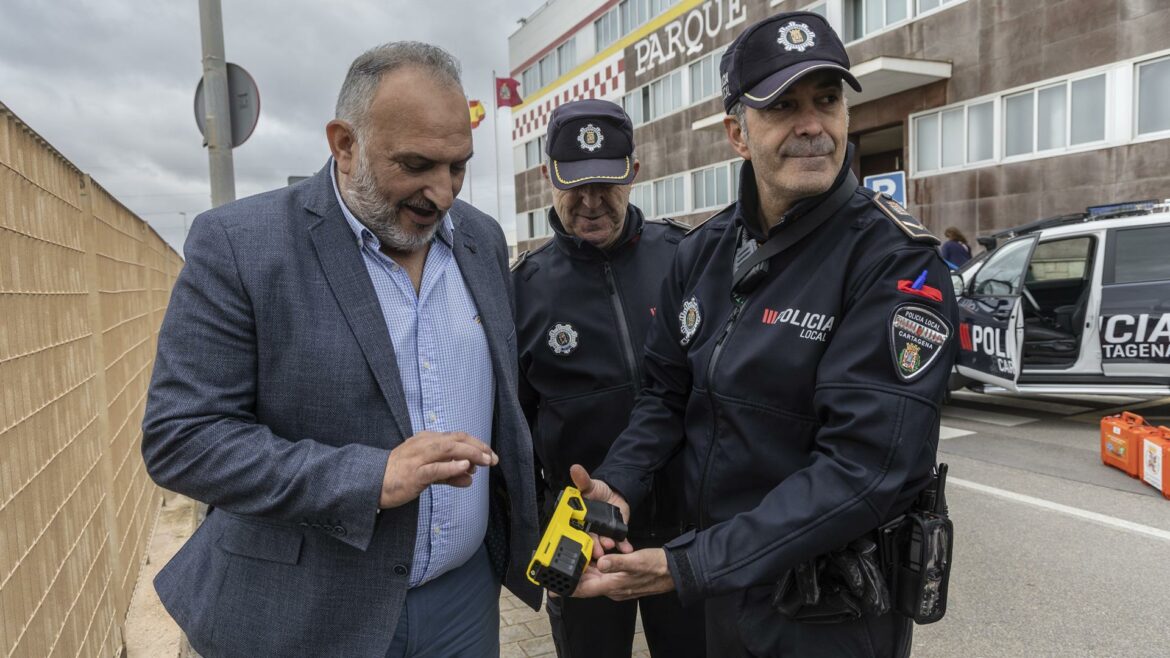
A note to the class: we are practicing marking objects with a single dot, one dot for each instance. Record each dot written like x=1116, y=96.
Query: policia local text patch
x=917, y=336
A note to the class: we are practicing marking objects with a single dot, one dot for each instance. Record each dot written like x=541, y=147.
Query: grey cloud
x=110, y=84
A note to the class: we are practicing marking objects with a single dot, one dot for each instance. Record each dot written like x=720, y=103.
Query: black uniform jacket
x=581, y=321
x=808, y=414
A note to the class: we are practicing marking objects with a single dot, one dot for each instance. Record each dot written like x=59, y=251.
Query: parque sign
x=686, y=34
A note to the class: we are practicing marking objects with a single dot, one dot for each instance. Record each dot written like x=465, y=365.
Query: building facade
x=995, y=112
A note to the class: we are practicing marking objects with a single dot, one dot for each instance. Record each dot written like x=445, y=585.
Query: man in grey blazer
x=336, y=380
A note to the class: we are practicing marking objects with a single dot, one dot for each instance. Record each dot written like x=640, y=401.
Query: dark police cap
x=768, y=57
x=590, y=141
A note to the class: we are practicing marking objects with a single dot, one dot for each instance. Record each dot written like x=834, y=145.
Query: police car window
x=1140, y=255
x=1004, y=272
x=1059, y=260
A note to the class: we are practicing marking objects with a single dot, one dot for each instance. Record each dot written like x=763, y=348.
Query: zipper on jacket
x=727, y=328
x=615, y=297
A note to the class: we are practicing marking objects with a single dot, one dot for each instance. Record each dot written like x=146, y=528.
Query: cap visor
x=769, y=89
x=567, y=175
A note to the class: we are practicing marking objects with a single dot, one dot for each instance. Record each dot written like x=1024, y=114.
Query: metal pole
x=496, y=145
x=218, y=122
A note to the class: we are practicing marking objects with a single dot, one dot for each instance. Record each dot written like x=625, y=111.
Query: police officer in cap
x=584, y=301
x=798, y=359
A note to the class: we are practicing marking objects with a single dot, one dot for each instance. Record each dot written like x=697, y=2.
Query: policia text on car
x=796, y=446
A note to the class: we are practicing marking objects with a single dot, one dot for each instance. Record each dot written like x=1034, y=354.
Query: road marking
x=1022, y=403
x=945, y=432
x=989, y=417
x=1122, y=524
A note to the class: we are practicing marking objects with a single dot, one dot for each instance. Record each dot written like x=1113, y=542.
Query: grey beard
x=380, y=217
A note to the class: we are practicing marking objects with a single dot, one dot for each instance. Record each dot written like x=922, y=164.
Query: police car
x=1077, y=304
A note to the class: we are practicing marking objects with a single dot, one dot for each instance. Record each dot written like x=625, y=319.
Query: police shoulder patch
x=917, y=337
x=902, y=219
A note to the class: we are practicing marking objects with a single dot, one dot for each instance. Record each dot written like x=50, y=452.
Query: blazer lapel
x=341, y=260
x=483, y=279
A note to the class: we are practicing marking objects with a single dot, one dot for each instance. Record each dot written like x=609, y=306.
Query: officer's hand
x=598, y=490
x=432, y=458
x=622, y=577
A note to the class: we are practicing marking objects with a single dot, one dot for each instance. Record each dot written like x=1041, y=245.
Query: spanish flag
x=477, y=112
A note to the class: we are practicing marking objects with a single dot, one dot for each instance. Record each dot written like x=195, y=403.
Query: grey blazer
x=276, y=399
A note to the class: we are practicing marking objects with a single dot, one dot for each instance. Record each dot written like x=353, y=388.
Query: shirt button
x=426, y=364
x=401, y=569
x=431, y=416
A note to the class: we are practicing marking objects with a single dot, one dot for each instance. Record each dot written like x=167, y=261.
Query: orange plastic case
x=1121, y=441
x=1155, y=461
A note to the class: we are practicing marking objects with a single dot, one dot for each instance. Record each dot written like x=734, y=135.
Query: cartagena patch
x=917, y=337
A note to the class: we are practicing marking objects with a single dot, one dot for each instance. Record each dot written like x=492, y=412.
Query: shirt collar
x=366, y=236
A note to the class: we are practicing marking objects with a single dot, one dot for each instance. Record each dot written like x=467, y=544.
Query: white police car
x=1073, y=304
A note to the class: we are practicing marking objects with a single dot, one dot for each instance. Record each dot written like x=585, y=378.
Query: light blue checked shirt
x=446, y=371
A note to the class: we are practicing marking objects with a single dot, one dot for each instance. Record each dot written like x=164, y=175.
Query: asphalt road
x=1055, y=554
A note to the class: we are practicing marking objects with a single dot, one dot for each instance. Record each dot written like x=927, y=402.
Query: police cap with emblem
x=590, y=141
x=768, y=57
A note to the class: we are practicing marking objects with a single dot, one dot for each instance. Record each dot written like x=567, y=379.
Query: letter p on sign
x=892, y=184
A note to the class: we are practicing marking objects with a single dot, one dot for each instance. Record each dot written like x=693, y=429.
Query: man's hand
x=432, y=458
x=598, y=490
x=632, y=576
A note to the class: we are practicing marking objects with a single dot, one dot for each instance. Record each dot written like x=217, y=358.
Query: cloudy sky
x=110, y=83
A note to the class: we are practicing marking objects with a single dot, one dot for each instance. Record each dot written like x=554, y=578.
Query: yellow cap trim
x=557, y=173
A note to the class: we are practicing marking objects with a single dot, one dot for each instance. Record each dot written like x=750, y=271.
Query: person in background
x=955, y=251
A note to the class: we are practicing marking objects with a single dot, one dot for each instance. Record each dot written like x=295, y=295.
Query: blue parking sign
x=892, y=184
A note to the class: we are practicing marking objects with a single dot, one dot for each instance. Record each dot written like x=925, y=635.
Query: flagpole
x=496, y=146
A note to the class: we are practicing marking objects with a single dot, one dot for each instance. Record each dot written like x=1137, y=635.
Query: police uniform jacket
x=581, y=320
x=808, y=412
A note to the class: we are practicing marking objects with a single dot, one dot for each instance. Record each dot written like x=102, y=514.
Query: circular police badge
x=689, y=319
x=562, y=338
x=590, y=138
x=796, y=36
x=917, y=336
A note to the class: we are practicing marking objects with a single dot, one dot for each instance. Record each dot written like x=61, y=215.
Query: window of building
x=534, y=152
x=669, y=196
x=548, y=68
x=530, y=80
x=659, y=98
x=1088, y=110
x=628, y=16
x=866, y=17
x=632, y=104
x=607, y=28
x=642, y=196
x=1153, y=96
x=952, y=137
x=709, y=187
x=981, y=132
x=705, y=77
x=1018, y=123
x=736, y=168
x=1049, y=117
x=566, y=56
x=926, y=156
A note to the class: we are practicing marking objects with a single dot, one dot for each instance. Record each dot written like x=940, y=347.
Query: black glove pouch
x=840, y=586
